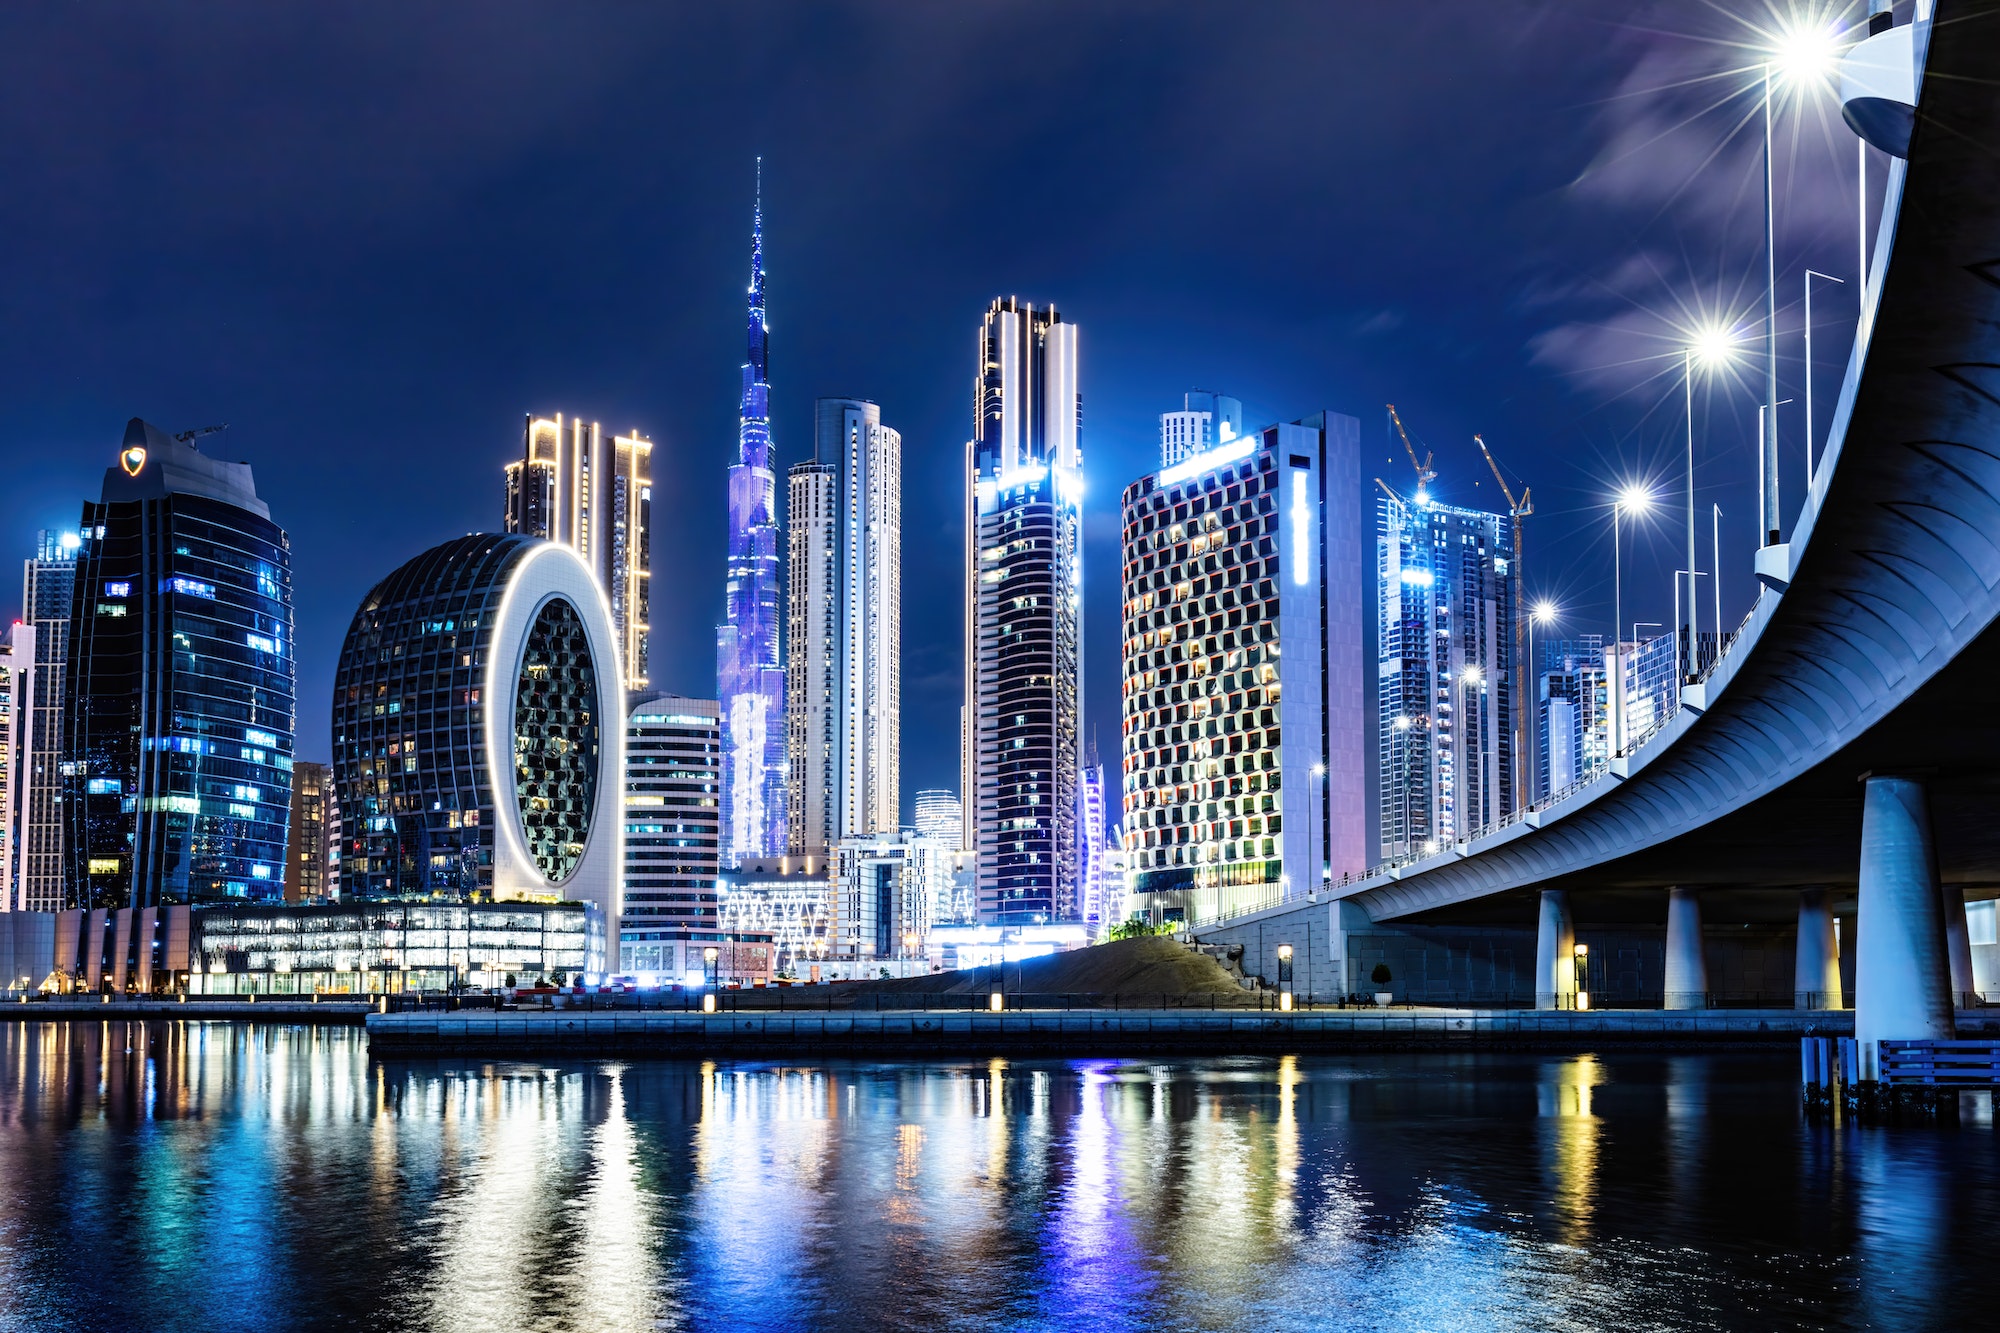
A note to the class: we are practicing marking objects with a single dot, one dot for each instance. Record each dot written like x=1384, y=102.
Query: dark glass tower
x=179, y=700
x=476, y=730
x=1024, y=616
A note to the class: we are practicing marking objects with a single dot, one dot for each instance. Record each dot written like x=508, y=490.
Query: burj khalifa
x=749, y=676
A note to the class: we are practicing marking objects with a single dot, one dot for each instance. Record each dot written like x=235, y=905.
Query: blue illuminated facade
x=179, y=700
x=749, y=677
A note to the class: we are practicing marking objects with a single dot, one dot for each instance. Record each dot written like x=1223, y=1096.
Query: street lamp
x=1543, y=612
x=1285, y=977
x=1713, y=345
x=1810, y=437
x=1580, y=963
x=1472, y=736
x=1801, y=53
x=1638, y=501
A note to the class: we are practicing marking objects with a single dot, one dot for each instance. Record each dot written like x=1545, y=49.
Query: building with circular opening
x=478, y=726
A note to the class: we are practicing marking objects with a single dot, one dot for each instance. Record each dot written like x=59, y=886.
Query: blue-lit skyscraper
x=178, y=702
x=749, y=678
x=1444, y=672
x=1024, y=616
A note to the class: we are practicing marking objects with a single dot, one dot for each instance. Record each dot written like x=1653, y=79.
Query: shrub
x=1380, y=976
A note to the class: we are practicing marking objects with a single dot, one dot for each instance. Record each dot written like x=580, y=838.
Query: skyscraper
x=305, y=845
x=673, y=780
x=1444, y=674
x=570, y=486
x=19, y=645
x=939, y=816
x=843, y=671
x=749, y=681
x=478, y=730
x=47, y=585
x=178, y=702
x=1573, y=731
x=1244, y=757
x=1205, y=419
x=1024, y=614
x=1090, y=841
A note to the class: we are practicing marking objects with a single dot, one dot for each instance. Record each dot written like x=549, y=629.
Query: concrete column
x=1902, y=973
x=1687, y=967
x=1958, y=942
x=1555, y=953
x=1816, y=974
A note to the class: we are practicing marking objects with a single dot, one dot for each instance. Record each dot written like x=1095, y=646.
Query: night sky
x=371, y=237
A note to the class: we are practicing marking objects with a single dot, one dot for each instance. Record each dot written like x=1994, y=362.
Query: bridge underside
x=1809, y=832
x=1881, y=654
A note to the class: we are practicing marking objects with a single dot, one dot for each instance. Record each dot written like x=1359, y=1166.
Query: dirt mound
x=1152, y=965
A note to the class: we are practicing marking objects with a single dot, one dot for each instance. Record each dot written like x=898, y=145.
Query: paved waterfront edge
x=1087, y=1032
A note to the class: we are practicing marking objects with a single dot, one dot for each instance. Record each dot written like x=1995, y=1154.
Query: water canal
x=229, y=1176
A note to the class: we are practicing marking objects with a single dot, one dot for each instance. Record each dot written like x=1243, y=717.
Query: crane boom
x=1424, y=469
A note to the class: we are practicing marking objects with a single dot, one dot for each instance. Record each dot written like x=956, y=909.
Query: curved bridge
x=1874, y=645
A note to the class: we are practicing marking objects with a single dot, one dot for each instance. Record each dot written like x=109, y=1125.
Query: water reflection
x=217, y=1176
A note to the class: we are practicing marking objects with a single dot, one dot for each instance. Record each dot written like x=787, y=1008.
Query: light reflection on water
x=215, y=1176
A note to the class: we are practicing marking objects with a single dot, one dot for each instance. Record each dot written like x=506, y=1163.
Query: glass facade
x=179, y=700
x=555, y=740
x=409, y=770
x=673, y=791
x=388, y=947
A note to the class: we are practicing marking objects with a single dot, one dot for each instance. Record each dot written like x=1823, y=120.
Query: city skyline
x=1460, y=357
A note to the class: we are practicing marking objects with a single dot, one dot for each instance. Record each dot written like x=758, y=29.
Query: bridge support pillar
x=1902, y=971
x=1816, y=975
x=1958, y=943
x=1687, y=967
x=1555, y=953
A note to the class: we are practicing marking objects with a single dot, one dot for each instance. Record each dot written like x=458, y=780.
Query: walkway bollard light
x=708, y=1002
x=996, y=1002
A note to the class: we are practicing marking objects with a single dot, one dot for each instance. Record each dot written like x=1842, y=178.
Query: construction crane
x=1424, y=469
x=1517, y=510
x=190, y=436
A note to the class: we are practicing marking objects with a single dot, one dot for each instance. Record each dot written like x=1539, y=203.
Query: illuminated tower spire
x=749, y=677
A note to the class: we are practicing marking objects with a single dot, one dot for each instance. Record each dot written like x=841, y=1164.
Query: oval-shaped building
x=478, y=730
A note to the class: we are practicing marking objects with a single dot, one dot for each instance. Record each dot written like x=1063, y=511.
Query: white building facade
x=843, y=686
x=1243, y=730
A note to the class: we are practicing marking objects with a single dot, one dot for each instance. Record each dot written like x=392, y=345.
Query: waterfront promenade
x=1095, y=1032
x=348, y=1012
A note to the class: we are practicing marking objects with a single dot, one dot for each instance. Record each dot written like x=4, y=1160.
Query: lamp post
x=1285, y=977
x=1810, y=436
x=1712, y=346
x=1580, y=965
x=1801, y=54
x=1638, y=501
x=1471, y=740
x=1715, y=536
x=1544, y=613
